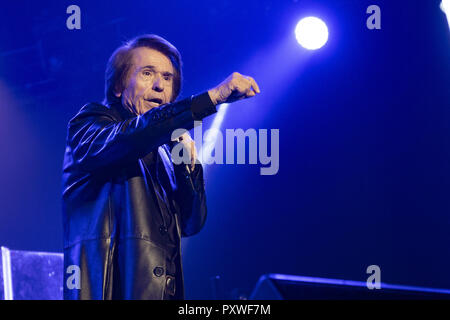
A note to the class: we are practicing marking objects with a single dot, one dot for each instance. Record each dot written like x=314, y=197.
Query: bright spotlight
x=311, y=33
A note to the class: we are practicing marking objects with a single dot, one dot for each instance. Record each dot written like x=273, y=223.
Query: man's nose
x=157, y=84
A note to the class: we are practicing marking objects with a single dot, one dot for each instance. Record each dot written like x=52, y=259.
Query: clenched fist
x=233, y=88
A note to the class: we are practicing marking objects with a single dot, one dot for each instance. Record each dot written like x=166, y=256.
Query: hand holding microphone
x=189, y=146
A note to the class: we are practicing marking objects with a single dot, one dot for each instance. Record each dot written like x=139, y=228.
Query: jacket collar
x=119, y=109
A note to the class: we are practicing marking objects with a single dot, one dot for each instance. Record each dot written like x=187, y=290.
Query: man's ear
x=117, y=91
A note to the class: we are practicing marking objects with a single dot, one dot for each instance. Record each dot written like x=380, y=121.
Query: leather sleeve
x=97, y=140
x=190, y=198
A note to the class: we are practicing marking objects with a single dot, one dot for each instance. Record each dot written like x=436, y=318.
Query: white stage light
x=311, y=33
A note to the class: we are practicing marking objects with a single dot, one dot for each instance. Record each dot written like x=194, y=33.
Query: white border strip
x=7, y=280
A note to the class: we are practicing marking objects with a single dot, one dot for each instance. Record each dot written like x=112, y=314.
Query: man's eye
x=167, y=78
x=147, y=73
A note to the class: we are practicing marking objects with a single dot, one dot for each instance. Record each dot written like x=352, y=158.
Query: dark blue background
x=364, y=172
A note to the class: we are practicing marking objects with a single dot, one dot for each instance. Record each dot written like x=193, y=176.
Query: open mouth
x=155, y=100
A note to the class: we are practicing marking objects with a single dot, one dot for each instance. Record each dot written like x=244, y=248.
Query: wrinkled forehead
x=143, y=57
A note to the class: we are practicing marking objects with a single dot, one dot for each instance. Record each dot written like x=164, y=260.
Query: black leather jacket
x=111, y=229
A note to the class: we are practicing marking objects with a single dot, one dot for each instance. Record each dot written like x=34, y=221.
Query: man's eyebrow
x=166, y=73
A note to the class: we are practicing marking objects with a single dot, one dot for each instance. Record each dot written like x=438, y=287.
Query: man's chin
x=152, y=104
x=147, y=106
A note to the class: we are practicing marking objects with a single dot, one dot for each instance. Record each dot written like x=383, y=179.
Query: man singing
x=126, y=205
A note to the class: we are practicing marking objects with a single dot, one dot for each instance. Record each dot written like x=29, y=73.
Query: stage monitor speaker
x=28, y=275
x=290, y=287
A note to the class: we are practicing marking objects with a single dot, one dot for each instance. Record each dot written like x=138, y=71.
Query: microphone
x=172, y=144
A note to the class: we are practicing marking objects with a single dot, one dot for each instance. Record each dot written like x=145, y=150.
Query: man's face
x=150, y=81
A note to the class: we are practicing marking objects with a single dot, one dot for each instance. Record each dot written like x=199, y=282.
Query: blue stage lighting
x=311, y=33
x=445, y=7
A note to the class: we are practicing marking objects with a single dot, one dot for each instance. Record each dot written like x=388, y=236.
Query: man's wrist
x=212, y=96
